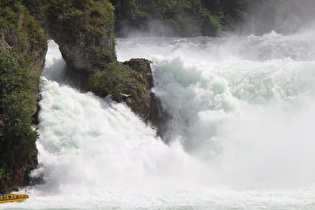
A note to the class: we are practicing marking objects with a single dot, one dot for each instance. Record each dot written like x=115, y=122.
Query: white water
x=241, y=133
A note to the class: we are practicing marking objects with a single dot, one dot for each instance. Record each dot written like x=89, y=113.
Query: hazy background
x=191, y=18
x=282, y=16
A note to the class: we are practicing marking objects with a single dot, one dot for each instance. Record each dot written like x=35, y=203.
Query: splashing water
x=244, y=105
x=240, y=134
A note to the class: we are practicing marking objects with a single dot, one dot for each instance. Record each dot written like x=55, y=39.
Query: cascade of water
x=238, y=103
x=240, y=129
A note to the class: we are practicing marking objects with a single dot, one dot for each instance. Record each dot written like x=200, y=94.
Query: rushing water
x=241, y=131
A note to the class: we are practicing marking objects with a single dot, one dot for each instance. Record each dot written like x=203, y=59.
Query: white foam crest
x=86, y=142
x=270, y=46
x=234, y=102
x=241, y=115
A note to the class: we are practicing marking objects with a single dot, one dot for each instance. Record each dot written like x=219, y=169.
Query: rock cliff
x=22, y=56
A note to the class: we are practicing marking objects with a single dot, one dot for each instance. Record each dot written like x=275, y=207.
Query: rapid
x=240, y=132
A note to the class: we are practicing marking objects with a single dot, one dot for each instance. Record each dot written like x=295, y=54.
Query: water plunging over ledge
x=240, y=134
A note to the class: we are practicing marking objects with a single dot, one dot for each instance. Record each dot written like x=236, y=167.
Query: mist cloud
x=282, y=16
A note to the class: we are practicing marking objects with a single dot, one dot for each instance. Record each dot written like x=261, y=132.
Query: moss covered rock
x=142, y=101
x=128, y=82
x=83, y=29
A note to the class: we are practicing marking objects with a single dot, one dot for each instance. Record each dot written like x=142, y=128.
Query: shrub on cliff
x=115, y=80
x=22, y=53
x=17, y=145
x=131, y=82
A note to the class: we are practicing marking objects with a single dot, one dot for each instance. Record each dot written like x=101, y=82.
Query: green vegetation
x=120, y=80
x=79, y=17
x=22, y=51
x=184, y=17
x=210, y=17
x=131, y=82
x=36, y=8
x=116, y=80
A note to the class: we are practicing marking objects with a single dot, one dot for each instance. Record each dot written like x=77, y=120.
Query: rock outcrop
x=84, y=32
x=128, y=82
x=142, y=101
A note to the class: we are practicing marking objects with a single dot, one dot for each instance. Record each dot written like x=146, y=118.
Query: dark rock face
x=141, y=101
x=81, y=55
x=76, y=55
x=141, y=66
x=144, y=102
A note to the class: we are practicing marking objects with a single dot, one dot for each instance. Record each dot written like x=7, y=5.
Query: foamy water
x=240, y=135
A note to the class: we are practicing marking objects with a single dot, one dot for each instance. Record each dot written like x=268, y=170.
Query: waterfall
x=240, y=131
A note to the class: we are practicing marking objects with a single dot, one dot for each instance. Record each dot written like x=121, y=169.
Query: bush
x=22, y=53
x=115, y=80
x=17, y=145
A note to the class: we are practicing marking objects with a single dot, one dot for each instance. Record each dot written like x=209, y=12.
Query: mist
x=281, y=16
x=154, y=28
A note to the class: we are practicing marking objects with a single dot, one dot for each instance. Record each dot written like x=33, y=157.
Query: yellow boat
x=5, y=198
